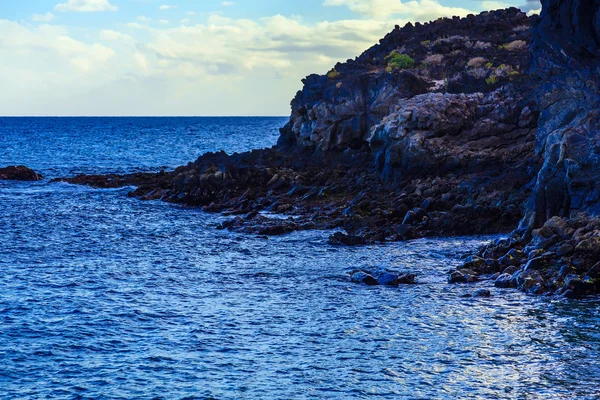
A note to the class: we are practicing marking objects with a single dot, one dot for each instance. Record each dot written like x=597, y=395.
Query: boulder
x=19, y=173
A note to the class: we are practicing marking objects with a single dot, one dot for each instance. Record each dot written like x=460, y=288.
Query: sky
x=188, y=57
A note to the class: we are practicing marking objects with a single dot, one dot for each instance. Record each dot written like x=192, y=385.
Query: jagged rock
x=504, y=281
x=438, y=133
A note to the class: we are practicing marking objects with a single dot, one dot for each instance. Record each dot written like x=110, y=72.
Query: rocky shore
x=556, y=249
x=458, y=126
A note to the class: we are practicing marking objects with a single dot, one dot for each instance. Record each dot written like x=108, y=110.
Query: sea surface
x=106, y=297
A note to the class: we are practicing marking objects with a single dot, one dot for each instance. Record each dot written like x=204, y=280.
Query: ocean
x=103, y=296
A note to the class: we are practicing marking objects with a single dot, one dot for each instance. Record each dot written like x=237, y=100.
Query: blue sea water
x=106, y=297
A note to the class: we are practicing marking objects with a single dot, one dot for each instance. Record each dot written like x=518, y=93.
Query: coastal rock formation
x=458, y=55
x=458, y=126
x=557, y=248
x=428, y=129
x=19, y=173
x=435, y=133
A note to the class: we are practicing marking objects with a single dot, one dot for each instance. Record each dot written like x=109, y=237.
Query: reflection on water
x=103, y=295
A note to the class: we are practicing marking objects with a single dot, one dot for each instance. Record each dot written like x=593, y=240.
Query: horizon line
x=144, y=116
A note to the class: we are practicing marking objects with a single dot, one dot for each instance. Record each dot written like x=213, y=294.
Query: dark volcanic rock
x=559, y=238
x=19, y=173
x=338, y=110
x=382, y=277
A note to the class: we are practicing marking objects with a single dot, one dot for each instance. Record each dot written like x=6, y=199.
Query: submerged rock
x=365, y=278
x=340, y=238
x=383, y=278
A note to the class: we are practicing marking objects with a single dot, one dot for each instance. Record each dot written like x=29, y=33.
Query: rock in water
x=363, y=277
x=19, y=173
x=340, y=238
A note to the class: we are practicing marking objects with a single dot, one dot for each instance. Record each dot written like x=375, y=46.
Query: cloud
x=136, y=25
x=415, y=10
x=167, y=7
x=48, y=53
x=215, y=67
x=494, y=5
x=85, y=6
x=531, y=5
x=228, y=3
x=225, y=46
x=114, y=36
x=43, y=17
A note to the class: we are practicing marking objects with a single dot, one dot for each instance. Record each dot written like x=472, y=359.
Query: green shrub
x=489, y=65
x=516, y=45
x=399, y=61
x=333, y=74
x=492, y=80
x=426, y=42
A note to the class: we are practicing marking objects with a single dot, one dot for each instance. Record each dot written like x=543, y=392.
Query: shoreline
x=424, y=134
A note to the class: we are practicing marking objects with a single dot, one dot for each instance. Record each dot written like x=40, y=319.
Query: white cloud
x=415, y=10
x=167, y=7
x=86, y=6
x=228, y=3
x=43, y=17
x=54, y=40
x=494, y=5
x=113, y=36
x=136, y=25
x=215, y=67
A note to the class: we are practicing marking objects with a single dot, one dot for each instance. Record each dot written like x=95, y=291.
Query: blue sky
x=184, y=57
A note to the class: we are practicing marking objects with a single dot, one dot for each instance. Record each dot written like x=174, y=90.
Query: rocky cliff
x=557, y=248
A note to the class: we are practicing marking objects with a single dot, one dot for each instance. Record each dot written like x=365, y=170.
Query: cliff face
x=557, y=249
x=567, y=58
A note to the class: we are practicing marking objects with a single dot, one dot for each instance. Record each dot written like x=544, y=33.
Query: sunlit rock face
x=567, y=58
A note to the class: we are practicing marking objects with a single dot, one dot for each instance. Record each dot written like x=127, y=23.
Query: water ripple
x=102, y=296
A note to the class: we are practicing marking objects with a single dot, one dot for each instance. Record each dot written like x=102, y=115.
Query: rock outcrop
x=19, y=173
x=458, y=55
x=557, y=248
